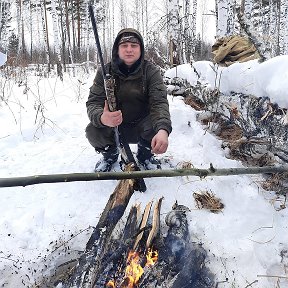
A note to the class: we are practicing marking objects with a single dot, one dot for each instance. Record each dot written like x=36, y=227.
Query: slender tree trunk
x=283, y=37
x=46, y=35
x=122, y=15
x=56, y=40
x=5, y=19
x=272, y=25
x=186, y=53
x=174, y=32
x=88, y=38
x=73, y=35
x=225, y=18
x=230, y=18
x=278, y=13
x=146, y=17
x=63, y=37
x=21, y=35
x=78, y=28
x=31, y=31
x=221, y=18
x=193, y=28
x=68, y=30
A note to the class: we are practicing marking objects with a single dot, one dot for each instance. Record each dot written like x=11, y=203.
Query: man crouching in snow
x=143, y=109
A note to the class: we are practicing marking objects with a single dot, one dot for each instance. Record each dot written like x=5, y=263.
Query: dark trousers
x=132, y=133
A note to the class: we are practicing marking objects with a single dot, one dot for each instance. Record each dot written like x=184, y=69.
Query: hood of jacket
x=115, y=57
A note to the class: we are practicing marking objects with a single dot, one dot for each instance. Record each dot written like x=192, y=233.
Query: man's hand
x=111, y=119
x=159, y=143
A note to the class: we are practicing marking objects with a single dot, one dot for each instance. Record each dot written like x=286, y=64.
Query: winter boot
x=146, y=157
x=110, y=156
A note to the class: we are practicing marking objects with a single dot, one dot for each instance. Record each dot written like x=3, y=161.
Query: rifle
x=109, y=84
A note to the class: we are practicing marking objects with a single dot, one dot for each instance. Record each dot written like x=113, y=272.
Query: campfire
x=146, y=252
x=134, y=270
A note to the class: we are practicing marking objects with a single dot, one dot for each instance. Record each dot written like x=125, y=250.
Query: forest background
x=47, y=39
x=58, y=33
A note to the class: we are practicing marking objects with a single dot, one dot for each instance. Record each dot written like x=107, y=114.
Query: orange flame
x=110, y=284
x=151, y=257
x=134, y=270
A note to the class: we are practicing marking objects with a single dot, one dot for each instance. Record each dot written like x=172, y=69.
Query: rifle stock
x=109, y=84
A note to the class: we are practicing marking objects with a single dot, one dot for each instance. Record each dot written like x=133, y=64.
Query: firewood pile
x=147, y=251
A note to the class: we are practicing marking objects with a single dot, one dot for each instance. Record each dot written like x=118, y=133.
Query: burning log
x=180, y=263
x=155, y=230
x=176, y=262
x=89, y=264
x=143, y=224
x=140, y=256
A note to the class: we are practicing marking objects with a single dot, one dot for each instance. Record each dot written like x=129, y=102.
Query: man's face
x=129, y=52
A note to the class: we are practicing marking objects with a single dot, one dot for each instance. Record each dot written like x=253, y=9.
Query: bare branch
x=55, y=178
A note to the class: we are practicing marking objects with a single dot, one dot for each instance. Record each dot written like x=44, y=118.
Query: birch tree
x=173, y=31
x=230, y=29
x=20, y=26
x=66, y=30
x=123, y=18
x=88, y=31
x=5, y=20
x=222, y=18
x=225, y=18
x=136, y=14
x=187, y=39
x=45, y=31
x=144, y=18
x=193, y=28
x=283, y=28
x=248, y=8
x=273, y=28
x=56, y=40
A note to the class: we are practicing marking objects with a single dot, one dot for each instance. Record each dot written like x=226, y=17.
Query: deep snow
x=42, y=132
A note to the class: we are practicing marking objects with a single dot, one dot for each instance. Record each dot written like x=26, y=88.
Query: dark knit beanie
x=128, y=37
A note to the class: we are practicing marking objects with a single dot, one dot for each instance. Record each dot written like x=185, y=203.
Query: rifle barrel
x=96, y=36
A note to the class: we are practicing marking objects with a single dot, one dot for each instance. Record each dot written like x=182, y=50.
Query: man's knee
x=99, y=138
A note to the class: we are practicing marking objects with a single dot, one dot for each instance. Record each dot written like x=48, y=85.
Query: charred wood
x=87, y=269
x=155, y=229
x=143, y=224
x=118, y=251
x=180, y=263
x=194, y=274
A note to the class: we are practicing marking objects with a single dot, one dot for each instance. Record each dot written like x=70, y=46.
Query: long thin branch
x=54, y=178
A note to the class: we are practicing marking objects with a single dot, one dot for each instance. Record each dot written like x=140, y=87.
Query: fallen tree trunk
x=56, y=178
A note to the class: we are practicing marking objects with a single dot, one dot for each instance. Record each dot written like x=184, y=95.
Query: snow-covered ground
x=42, y=132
